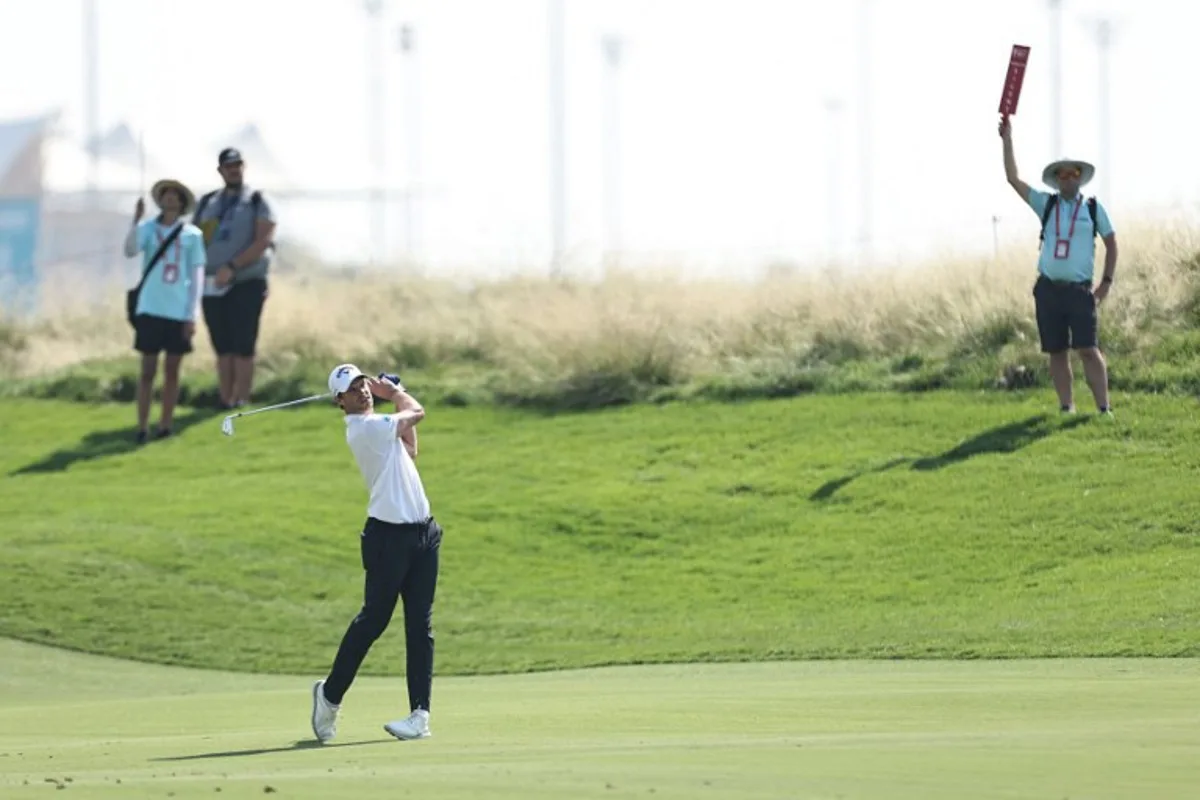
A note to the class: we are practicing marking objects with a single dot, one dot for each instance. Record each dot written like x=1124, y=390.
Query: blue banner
x=20, y=221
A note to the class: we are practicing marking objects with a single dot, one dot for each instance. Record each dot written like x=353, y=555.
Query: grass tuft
x=565, y=345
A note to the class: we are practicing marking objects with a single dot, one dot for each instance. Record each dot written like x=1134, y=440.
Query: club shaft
x=281, y=405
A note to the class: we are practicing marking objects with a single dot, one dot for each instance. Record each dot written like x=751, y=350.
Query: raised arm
x=132, y=240
x=408, y=436
x=1010, y=161
x=408, y=411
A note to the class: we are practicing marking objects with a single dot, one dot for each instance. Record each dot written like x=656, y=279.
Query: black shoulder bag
x=131, y=297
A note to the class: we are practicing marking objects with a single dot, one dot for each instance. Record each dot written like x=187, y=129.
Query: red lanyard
x=1075, y=216
x=158, y=233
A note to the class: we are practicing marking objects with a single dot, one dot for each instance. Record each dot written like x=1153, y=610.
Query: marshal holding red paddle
x=1066, y=294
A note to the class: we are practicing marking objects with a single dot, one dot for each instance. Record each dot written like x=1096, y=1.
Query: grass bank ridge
x=573, y=345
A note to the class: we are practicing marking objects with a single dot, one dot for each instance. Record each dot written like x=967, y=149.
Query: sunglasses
x=1069, y=173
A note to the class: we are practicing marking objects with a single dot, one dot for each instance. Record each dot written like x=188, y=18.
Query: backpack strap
x=256, y=204
x=1091, y=206
x=162, y=248
x=255, y=201
x=200, y=206
x=1046, y=216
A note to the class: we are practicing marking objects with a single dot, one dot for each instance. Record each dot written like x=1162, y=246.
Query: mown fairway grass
x=938, y=525
x=1103, y=730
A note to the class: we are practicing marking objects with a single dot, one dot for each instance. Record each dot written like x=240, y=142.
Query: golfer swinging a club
x=400, y=543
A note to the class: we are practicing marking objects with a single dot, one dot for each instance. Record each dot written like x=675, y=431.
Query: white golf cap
x=342, y=376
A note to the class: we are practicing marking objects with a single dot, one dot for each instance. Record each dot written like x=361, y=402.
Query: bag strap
x=162, y=248
x=256, y=202
x=1046, y=216
x=1091, y=206
x=201, y=205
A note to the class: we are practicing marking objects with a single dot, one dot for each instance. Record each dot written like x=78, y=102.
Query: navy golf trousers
x=401, y=563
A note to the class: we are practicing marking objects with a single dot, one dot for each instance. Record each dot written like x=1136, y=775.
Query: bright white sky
x=727, y=154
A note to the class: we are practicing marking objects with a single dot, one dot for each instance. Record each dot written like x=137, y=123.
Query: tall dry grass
x=525, y=337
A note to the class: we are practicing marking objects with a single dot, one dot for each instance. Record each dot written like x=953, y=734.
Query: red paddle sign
x=1012, y=81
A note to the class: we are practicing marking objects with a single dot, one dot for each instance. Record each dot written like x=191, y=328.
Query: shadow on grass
x=303, y=744
x=831, y=488
x=105, y=444
x=1004, y=439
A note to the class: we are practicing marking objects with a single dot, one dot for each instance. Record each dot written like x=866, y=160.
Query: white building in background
x=61, y=222
x=64, y=216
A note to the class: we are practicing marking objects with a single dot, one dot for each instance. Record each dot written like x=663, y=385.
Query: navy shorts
x=1066, y=315
x=232, y=319
x=154, y=335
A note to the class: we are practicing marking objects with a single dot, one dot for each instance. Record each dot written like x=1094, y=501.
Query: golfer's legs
x=384, y=565
x=418, y=590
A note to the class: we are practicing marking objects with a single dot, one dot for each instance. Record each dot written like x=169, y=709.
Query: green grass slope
x=939, y=525
x=106, y=730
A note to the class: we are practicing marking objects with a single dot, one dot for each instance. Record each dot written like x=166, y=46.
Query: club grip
x=390, y=377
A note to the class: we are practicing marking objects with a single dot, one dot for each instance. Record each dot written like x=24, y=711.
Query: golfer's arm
x=1010, y=171
x=406, y=419
x=405, y=401
x=407, y=408
x=409, y=437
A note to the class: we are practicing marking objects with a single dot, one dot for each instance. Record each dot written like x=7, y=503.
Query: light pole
x=407, y=44
x=865, y=127
x=612, y=47
x=1102, y=30
x=558, y=185
x=833, y=111
x=91, y=96
x=376, y=133
x=1056, y=131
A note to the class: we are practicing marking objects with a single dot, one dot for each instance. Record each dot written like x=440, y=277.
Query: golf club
x=227, y=423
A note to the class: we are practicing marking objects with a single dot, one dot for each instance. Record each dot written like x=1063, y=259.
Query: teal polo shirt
x=1078, y=263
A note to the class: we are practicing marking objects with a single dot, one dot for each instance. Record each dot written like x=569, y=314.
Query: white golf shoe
x=414, y=726
x=324, y=714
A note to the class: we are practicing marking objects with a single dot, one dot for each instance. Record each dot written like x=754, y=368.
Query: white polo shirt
x=397, y=494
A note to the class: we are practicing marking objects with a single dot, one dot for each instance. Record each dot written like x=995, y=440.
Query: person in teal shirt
x=1066, y=296
x=169, y=301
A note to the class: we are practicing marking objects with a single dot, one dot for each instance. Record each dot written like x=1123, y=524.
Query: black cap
x=230, y=155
